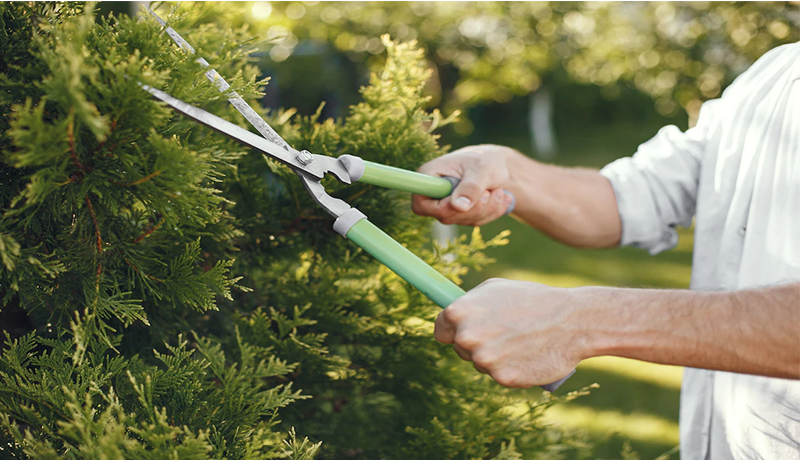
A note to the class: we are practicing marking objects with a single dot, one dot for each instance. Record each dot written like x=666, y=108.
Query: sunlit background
x=567, y=83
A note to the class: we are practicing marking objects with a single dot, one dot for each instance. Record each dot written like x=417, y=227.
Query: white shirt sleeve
x=656, y=188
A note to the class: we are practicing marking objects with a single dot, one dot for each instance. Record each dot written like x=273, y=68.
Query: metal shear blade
x=316, y=166
x=309, y=168
x=310, y=172
x=214, y=77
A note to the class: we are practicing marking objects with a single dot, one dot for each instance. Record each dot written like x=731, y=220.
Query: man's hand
x=522, y=334
x=574, y=206
x=479, y=198
x=525, y=334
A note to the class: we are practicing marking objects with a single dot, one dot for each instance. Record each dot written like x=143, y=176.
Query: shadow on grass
x=611, y=447
x=623, y=409
x=621, y=393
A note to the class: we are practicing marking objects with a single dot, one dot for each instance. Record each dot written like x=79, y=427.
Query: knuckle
x=506, y=377
x=467, y=340
x=480, y=368
x=442, y=210
x=452, y=314
x=440, y=331
x=416, y=206
x=431, y=167
x=498, y=210
x=463, y=354
x=491, y=281
x=484, y=359
x=439, y=335
x=423, y=206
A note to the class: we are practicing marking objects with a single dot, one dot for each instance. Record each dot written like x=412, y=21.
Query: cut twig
x=137, y=182
x=136, y=269
x=357, y=195
x=147, y=233
x=96, y=225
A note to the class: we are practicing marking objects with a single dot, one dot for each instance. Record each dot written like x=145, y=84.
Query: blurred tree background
x=492, y=52
x=571, y=83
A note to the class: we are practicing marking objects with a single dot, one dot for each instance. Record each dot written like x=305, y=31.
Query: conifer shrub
x=167, y=293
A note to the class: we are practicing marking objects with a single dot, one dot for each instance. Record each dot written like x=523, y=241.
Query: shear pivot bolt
x=305, y=157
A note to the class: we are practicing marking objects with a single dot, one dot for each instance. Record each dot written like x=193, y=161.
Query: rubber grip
x=411, y=268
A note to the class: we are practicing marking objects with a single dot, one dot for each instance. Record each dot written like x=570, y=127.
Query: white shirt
x=738, y=174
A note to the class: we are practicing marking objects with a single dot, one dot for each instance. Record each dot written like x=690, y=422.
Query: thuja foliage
x=168, y=294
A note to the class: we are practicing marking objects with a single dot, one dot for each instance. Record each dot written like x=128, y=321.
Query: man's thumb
x=468, y=191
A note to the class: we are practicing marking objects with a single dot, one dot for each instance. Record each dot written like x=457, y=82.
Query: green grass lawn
x=636, y=402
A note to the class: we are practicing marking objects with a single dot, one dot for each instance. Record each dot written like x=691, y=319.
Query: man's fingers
x=493, y=204
x=467, y=356
x=424, y=206
x=462, y=353
x=474, y=201
x=444, y=331
x=480, y=368
x=499, y=204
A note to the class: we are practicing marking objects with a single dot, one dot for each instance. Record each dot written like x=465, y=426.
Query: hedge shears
x=311, y=168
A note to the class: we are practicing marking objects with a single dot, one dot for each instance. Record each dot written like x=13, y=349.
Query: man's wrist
x=519, y=169
x=645, y=324
x=624, y=321
x=598, y=312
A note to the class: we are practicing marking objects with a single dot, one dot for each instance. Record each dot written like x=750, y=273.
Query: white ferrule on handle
x=345, y=222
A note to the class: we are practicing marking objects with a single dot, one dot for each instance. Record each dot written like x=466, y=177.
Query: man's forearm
x=574, y=206
x=754, y=331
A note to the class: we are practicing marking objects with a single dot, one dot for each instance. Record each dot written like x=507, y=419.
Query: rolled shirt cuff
x=641, y=226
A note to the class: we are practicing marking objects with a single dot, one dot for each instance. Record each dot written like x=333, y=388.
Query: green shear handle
x=406, y=264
